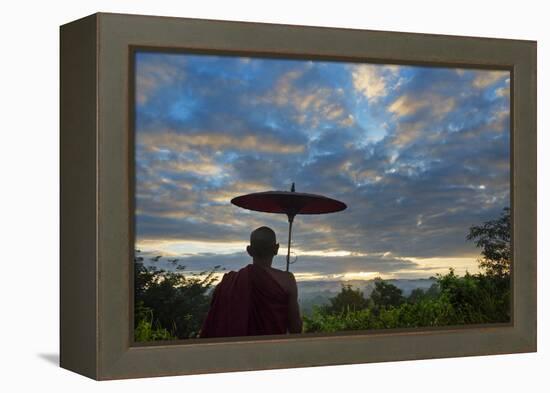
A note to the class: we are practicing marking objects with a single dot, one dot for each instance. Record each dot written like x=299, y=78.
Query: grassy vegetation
x=452, y=300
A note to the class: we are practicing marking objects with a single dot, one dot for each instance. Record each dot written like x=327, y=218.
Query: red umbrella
x=290, y=203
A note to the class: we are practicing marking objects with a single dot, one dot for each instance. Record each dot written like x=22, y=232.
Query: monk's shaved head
x=263, y=242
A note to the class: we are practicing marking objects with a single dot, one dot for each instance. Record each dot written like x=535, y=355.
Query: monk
x=256, y=300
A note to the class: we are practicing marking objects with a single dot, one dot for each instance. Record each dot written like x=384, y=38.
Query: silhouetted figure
x=256, y=300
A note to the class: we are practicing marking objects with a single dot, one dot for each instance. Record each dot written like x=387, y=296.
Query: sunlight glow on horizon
x=178, y=248
x=425, y=267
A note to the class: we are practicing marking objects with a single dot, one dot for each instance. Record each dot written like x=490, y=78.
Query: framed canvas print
x=242, y=196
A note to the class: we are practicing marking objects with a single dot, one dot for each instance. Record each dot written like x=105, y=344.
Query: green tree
x=416, y=295
x=493, y=237
x=169, y=304
x=348, y=299
x=476, y=298
x=385, y=294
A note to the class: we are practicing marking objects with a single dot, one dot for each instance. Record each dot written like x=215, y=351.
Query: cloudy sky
x=419, y=154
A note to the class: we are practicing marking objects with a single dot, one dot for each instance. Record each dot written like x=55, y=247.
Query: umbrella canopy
x=290, y=203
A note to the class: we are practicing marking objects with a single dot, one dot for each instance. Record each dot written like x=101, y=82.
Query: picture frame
x=96, y=309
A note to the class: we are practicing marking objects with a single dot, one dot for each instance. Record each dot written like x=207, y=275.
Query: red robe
x=249, y=302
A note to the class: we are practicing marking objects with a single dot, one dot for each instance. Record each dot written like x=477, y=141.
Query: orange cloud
x=484, y=78
x=216, y=140
x=408, y=105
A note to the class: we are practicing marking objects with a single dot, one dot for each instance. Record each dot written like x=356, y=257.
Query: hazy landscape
x=318, y=293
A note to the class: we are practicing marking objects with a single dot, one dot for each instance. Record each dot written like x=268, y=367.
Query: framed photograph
x=245, y=196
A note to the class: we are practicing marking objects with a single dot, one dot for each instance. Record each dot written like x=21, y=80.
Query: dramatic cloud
x=154, y=74
x=217, y=141
x=483, y=79
x=408, y=105
x=419, y=154
x=373, y=80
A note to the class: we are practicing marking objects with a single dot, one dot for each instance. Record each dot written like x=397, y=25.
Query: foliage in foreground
x=452, y=300
x=146, y=329
x=169, y=305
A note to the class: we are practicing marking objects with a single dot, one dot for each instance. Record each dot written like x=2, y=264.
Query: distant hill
x=317, y=293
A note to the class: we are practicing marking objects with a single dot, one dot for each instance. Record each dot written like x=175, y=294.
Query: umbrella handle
x=290, y=221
